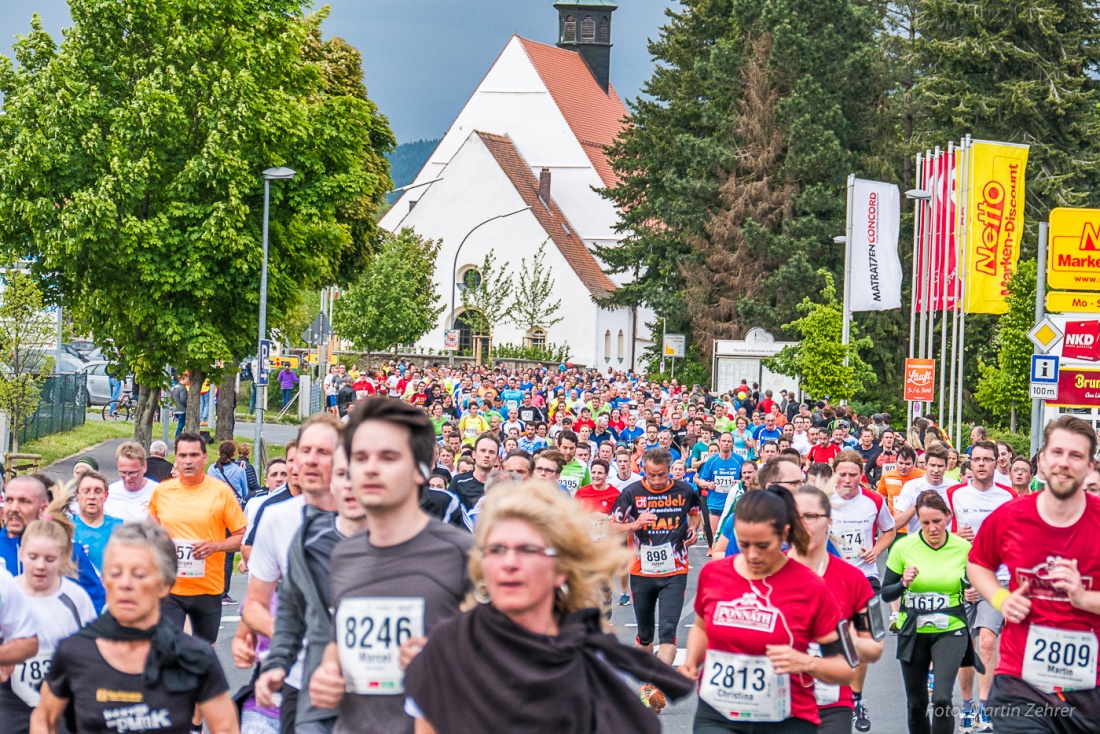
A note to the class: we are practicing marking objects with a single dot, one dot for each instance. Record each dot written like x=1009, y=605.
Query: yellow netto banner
x=995, y=223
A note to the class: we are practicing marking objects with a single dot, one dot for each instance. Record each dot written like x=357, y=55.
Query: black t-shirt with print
x=104, y=700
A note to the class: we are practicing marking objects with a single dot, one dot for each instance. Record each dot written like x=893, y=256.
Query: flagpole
x=917, y=213
x=967, y=226
x=949, y=168
x=926, y=239
x=956, y=180
x=846, y=329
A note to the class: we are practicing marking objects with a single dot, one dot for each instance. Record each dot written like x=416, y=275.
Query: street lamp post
x=454, y=267
x=271, y=174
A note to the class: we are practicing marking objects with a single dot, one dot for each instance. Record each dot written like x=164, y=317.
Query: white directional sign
x=1044, y=391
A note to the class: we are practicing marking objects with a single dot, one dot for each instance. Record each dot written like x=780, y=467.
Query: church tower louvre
x=584, y=26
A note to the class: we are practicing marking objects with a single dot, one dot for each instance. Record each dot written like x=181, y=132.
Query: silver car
x=99, y=384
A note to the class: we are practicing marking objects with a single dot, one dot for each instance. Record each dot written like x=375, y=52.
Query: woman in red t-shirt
x=616, y=423
x=756, y=614
x=849, y=588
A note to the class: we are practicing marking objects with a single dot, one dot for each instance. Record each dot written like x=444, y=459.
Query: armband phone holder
x=844, y=645
x=875, y=621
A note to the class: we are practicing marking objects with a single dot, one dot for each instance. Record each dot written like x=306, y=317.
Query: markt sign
x=1073, y=259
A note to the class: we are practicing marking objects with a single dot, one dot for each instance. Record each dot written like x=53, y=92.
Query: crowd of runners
x=442, y=550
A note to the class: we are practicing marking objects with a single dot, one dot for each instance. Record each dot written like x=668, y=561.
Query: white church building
x=518, y=168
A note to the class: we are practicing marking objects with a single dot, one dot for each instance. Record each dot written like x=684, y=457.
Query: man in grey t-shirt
x=393, y=582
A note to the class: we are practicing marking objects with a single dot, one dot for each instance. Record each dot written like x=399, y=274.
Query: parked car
x=73, y=351
x=99, y=384
x=84, y=347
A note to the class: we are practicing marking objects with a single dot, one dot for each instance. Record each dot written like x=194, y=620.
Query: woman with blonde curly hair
x=532, y=637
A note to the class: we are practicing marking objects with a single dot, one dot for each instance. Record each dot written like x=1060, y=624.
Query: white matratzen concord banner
x=876, y=268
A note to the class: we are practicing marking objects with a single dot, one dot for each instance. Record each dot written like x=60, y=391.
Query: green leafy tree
x=485, y=299
x=1022, y=71
x=1005, y=385
x=817, y=360
x=531, y=306
x=395, y=300
x=131, y=173
x=27, y=334
x=732, y=175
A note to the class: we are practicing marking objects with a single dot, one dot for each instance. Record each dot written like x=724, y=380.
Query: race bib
x=26, y=679
x=657, y=560
x=187, y=566
x=745, y=687
x=826, y=693
x=723, y=485
x=927, y=602
x=889, y=467
x=850, y=545
x=599, y=525
x=369, y=632
x=1057, y=659
x=742, y=452
x=570, y=483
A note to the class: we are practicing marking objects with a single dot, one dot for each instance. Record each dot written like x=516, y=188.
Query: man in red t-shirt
x=825, y=451
x=1046, y=680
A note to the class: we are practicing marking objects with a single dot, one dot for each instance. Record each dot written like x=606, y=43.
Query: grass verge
x=60, y=445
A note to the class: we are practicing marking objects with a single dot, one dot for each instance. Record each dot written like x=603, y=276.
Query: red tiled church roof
x=594, y=116
x=551, y=218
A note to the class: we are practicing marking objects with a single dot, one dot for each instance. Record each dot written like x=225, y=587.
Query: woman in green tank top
x=927, y=571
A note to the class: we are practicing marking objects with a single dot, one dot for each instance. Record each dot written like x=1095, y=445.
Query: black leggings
x=945, y=651
x=647, y=591
x=205, y=611
x=709, y=721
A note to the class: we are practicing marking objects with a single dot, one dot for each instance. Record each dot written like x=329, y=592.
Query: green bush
x=1020, y=442
x=556, y=353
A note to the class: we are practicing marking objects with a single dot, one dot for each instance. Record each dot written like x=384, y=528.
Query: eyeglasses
x=499, y=551
x=129, y=474
x=812, y=516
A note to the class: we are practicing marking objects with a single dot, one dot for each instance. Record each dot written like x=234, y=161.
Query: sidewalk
x=274, y=434
x=104, y=454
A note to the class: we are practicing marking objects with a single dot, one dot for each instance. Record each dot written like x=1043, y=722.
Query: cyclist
x=927, y=570
x=756, y=615
x=1047, y=677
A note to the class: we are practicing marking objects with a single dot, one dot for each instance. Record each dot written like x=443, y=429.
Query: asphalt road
x=884, y=694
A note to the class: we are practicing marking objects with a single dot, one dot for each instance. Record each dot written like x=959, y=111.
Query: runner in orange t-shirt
x=889, y=486
x=202, y=516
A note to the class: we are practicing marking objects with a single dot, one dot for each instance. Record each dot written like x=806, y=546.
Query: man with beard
x=26, y=499
x=1047, y=541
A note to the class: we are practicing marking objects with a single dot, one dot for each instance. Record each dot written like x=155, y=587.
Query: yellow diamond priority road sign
x=1045, y=335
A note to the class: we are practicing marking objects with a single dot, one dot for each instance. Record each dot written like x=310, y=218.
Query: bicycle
x=123, y=406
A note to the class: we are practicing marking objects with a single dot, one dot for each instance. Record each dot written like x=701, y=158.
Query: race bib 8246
x=369, y=632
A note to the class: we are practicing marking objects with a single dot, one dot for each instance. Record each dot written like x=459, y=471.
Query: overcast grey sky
x=423, y=58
